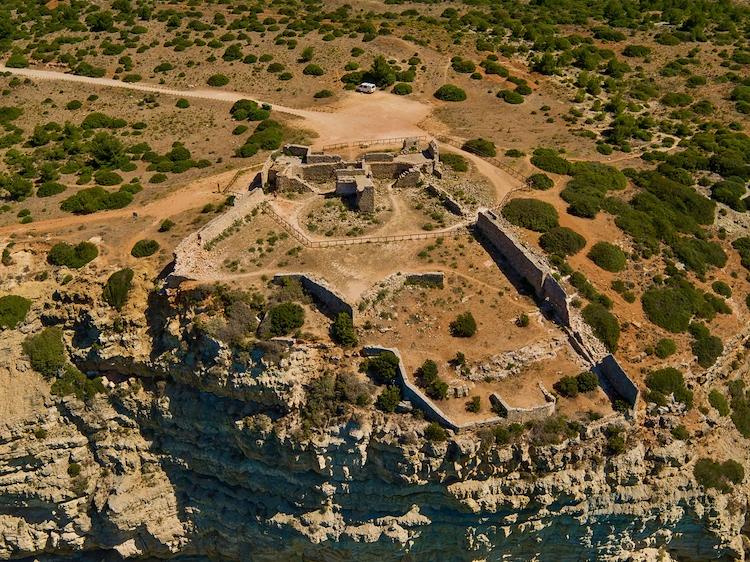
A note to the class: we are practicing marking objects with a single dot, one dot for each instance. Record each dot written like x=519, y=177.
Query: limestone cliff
x=197, y=451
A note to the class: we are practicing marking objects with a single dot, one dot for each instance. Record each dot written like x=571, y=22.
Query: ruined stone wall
x=555, y=294
x=445, y=198
x=433, y=151
x=320, y=158
x=431, y=278
x=412, y=393
x=520, y=259
x=298, y=150
x=618, y=379
x=346, y=187
x=409, y=178
x=319, y=172
x=190, y=256
x=286, y=182
x=331, y=301
x=389, y=170
x=531, y=267
x=379, y=157
x=523, y=415
x=365, y=199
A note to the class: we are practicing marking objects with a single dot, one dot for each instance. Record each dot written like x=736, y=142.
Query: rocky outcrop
x=198, y=451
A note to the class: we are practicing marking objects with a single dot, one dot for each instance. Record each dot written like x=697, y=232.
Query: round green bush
x=530, y=213
x=144, y=248
x=402, y=89
x=284, y=318
x=323, y=94
x=562, y=241
x=542, y=182
x=46, y=351
x=107, y=177
x=608, y=256
x=158, y=178
x=456, y=162
x=50, y=188
x=217, y=80
x=464, y=326
x=13, y=310
x=313, y=70
x=72, y=105
x=480, y=146
x=342, y=330
x=721, y=288
x=182, y=103
x=71, y=256
x=509, y=96
x=450, y=92
x=665, y=347
x=603, y=323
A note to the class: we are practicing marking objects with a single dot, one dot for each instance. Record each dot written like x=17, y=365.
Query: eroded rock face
x=198, y=458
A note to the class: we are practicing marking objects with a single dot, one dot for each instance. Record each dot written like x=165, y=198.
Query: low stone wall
x=447, y=201
x=431, y=279
x=331, y=301
x=523, y=415
x=320, y=172
x=320, y=158
x=286, y=182
x=389, y=170
x=379, y=157
x=413, y=394
x=190, y=255
x=609, y=369
x=298, y=150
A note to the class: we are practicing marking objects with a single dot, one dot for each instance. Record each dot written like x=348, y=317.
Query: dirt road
x=354, y=117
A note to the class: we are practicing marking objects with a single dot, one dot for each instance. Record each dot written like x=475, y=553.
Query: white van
x=367, y=88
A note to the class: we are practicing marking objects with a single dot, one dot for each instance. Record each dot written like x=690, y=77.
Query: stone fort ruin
x=300, y=169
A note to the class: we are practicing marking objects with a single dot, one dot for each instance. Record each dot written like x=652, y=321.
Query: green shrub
x=342, y=330
x=603, y=323
x=664, y=382
x=93, y=199
x=435, y=432
x=402, y=89
x=71, y=256
x=388, y=399
x=13, y=310
x=449, y=92
x=463, y=66
x=158, y=178
x=284, y=318
x=17, y=60
x=719, y=402
x=383, y=367
x=74, y=383
x=567, y=386
x=144, y=248
x=50, y=188
x=313, y=70
x=608, y=256
x=721, y=288
x=454, y=161
x=705, y=347
x=480, y=146
x=107, y=178
x=46, y=351
x=680, y=432
x=117, y=288
x=562, y=241
x=509, y=96
x=323, y=94
x=673, y=306
x=474, y=405
x=721, y=476
x=464, y=326
x=182, y=103
x=217, y=80
x=166, y=225
x=542, y=182
x=550, y=161
x=665, y=347
x=538, y=216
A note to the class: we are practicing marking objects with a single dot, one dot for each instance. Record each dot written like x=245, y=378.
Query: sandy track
x=354, y=117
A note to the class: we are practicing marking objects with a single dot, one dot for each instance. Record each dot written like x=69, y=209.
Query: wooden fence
x=364, y=143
